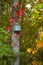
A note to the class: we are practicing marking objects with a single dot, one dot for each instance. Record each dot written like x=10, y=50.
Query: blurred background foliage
x=7, y=55
x=31, y=43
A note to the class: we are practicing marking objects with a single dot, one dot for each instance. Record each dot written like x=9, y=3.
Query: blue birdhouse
x=17, y=27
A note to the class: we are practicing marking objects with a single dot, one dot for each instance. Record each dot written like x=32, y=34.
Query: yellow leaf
x=33, y=16
x=33, y=24
x=34, y=51
x=40, y=18
x=29, y=50
x=36, y=11
x=41, y=35
x=23, y=41
x=39, y=45
x=34, y=62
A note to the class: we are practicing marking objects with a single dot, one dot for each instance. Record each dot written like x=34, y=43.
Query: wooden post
x=15, y=40
x=16, y=47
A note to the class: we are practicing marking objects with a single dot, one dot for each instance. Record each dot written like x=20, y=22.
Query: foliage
x=7, y=55
x=32, y=26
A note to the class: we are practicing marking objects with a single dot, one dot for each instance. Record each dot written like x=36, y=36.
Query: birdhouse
x=17, y=27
